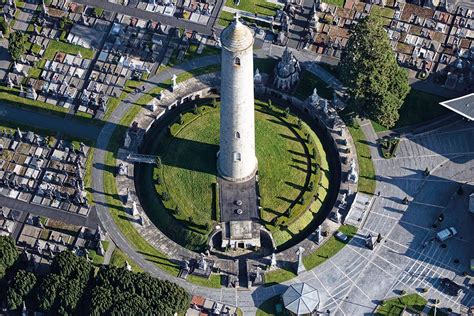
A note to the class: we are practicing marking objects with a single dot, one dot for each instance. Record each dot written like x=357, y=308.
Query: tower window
x=237, y=156
x=237, y=61
x=237, y=135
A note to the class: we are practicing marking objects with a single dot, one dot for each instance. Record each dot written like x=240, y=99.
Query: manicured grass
x=118, y=259
x=57, y=46
x=191, y=53
x=188, y=182
x=418, y=107
x=268, y=307
x=328, y=249
x=307, y=84
x=255, y=6
x=366, y=166
x=384, y=12
x=278, y=276
x=339, y=3
x=225, y=18
x=395, y=306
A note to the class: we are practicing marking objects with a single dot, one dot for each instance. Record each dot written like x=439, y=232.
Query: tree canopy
x=8, y=253
x=17, y=44
x=377, y=85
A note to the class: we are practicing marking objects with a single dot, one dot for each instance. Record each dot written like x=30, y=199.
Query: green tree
x=17, y=44
x=377, y=85
x=19, y=288
x=8, y=253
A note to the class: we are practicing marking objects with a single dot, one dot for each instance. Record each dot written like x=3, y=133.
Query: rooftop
x=463, y=105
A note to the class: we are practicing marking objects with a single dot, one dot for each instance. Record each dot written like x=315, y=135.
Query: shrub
x=195, y=110
x=287, y=112
x=158, y=180
x=300, y=124
x=165, y=196
x=98, y=12
x=311, y=186
x=181, y=119
x=158, y=162
x=214, y=103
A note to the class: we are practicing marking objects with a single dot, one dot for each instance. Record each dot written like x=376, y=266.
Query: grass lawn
x=189, y=182
x=339, y=3
x=55, y=47
x=418, y=107
x=328, y=249
x=225, y=18
x=118, y=259
x=278, y=276
x=396, y=305
x=192, y=53
x=366, y=166
x=307, y=84
x=255, y=6
x=383, y=12
x=268, y=307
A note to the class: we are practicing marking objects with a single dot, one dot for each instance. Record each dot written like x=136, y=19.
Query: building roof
x=301, y=298
x=463, y=105
x=236, y=36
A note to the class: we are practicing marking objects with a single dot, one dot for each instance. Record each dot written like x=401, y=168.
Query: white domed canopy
x=236, y=36
x=301, y=299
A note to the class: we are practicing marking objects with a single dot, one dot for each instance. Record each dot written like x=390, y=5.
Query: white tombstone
x=315, y=98
x=257, y=78
x=10, y=82
x=127, y=141
x=135, y=212
x=173, y=80
x=338, y=217
x=301, y=267
x=273, y=263
x=318, y=235
x=79, y=55
x=353, y=177
x=128, y=267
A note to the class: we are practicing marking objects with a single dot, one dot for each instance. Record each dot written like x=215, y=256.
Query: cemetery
x=43, y=171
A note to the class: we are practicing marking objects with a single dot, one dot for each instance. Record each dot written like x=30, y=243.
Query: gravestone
x=300, y=269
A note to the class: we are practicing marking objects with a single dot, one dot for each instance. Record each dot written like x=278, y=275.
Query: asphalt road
x=157, y=17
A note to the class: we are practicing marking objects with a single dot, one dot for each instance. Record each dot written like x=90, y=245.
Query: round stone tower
x=237, y=161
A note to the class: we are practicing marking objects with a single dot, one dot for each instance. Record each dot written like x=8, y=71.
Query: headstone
x=258, y=276
x=318, y=235
x=135, y=211
x=338, y=217
x=257, y=78
x=22, y=92
x=273, y=262
x=128, y=267
x=315, y=98
x=122, y=169
x=127, y=141
x=202, y=263
x=353, y=177
x=301, y=267
x=174, y=84
x=10, y=82
x=100, y=249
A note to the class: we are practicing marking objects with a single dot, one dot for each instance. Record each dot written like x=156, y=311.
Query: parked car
x=450, y=287
x=341, y=236
x=446, y=233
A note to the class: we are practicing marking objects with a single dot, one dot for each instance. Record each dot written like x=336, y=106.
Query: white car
x=446, y=233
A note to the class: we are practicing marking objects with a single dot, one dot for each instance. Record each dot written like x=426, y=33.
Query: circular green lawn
x=188, y=171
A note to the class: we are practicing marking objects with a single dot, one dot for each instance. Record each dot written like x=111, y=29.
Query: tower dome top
x=236, y=36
